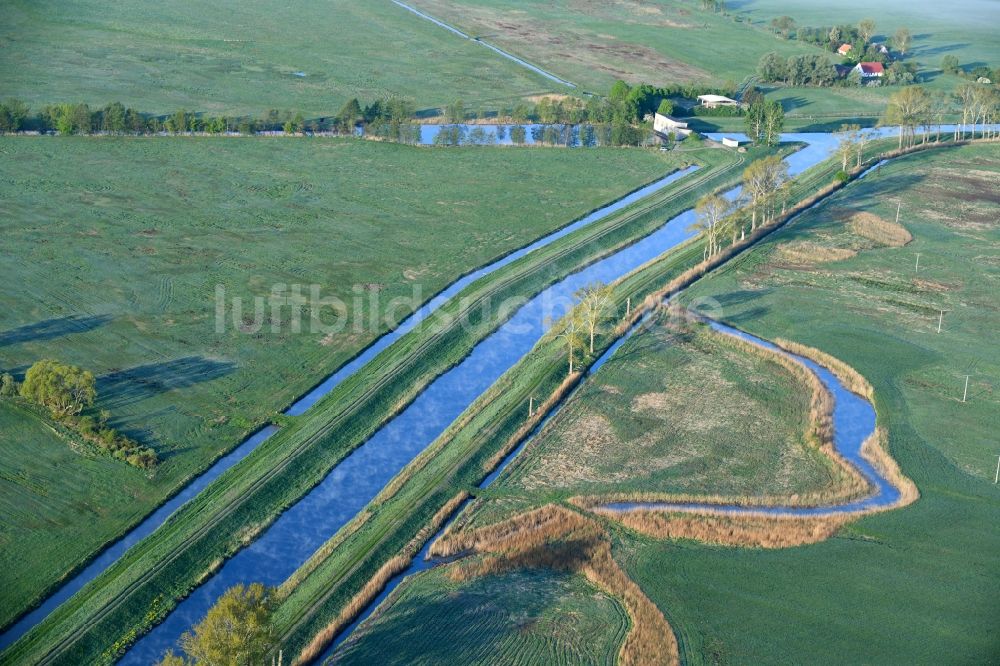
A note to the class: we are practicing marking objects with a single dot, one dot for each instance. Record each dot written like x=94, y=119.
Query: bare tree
x=595, y=306
x=966, y=94
x=866, y=28
x=571, y=333
x=902, y=40
x=711, y=212
x=908, y=109
x=762, y=180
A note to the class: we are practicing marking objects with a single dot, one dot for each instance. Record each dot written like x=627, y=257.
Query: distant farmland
x=113, y=248
x=245, y=57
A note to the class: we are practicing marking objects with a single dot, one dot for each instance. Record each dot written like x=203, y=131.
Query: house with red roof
x=869, y=70
x=844, y=49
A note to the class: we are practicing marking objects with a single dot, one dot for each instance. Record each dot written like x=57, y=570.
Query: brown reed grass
x=752, y=531
x=874, y=228
x=377, y=582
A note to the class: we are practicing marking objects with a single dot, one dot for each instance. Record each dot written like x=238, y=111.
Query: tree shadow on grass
x=52, y=328
x=126, y=387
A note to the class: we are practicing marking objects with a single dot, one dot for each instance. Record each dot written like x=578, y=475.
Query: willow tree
x=236, y=631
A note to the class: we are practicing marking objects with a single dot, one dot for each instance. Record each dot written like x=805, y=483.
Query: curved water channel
x=295, y=535
x=853, y=419
x=155, y=519
x=853, y=423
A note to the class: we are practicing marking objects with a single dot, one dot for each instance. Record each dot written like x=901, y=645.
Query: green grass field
x=242, y=57
x=523, y=617
x=113, y=249
x=146, y=581
x=594, y=43
x=677, y=410
x=917, y=585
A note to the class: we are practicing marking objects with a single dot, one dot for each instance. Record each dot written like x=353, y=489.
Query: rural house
x=869, y=70
x=844, y=49
x=664, y=125
x=713, y=101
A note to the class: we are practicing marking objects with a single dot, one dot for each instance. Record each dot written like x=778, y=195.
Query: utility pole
x=965, y=394
x=531, y=405
x=996, y=477
x=940, y=320
x=917, y=268
x=628, y=306
x=898, y=205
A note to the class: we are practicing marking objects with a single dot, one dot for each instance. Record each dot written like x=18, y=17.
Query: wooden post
x=898, y=205
x=965, y=394
x=996, y=477
x=917, y=268
x=628, y=306
x=940, y=320
x=531, y=405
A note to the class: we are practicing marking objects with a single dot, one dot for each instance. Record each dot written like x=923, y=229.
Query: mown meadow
x=520, y=617
x=245, y=57
x=113, y=249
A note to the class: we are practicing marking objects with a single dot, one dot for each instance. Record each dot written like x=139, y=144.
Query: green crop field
x=113, y=249
x=523, y=617
x=595, y=43
x=677, y=409
x=917, y=585
x=245, y=57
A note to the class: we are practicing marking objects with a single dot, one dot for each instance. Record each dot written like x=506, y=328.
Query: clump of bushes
x=66, y=391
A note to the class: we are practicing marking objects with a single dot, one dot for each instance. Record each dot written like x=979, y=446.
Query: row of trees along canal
x=619, y=117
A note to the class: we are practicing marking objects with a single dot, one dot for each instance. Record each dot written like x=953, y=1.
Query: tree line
x=913, y=108
x=66, y=391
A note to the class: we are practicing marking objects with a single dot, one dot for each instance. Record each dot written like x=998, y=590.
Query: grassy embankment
x=239, y=503
x=800, y=532
x=917, y=585
x=243, y=57
x=112, y=252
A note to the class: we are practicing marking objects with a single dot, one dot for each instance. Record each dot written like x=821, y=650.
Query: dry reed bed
x=378, y=581
x=874, y=228
x=808, y=253
x=557, y=538
x=753, y=531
